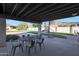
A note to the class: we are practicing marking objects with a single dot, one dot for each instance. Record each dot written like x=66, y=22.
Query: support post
x=49, y=29
x=39, y=29
x=3, y=47
x=2, y=32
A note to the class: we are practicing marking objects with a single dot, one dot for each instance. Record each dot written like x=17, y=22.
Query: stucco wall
x=2, y=32
x=64, y=29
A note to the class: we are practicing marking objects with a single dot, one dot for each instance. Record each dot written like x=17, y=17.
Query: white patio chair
x=16, y=44
x=29, y=44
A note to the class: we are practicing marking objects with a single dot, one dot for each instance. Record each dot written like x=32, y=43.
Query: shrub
x=11, y=37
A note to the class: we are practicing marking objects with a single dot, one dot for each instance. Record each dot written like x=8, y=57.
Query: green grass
x=57, y=34
x=53, y=34
x=61, y=33
x=12, y=31
x=21, y=31
x=34, y=32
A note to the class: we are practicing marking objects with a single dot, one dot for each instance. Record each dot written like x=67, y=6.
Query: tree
x=35, y=25
x=71, y=25
x=45, y=25
x=22, y=26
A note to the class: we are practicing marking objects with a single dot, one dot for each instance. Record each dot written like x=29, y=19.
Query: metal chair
x=16, y=44
x=30, y=44
x=40, y=43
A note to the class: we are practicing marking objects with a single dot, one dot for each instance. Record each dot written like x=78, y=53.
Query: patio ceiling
x=38, y=12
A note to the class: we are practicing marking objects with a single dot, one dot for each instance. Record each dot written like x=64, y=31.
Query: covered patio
x=53, y=47
x=38, y=13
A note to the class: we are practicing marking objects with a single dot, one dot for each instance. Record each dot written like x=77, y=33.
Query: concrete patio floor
x=53, y=47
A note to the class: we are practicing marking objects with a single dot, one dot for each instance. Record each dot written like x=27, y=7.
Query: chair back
x=42, y=40
x=32, y=43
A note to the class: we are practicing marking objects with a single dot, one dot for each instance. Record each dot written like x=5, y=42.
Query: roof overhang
x=38, y=12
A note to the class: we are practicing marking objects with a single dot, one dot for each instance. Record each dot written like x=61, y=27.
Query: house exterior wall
x=64, y=29
x=10, y=28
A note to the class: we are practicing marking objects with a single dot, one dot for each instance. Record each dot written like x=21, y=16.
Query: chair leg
x=14, y=49
x=43, y=45
x=26, y=48
x=40, y=46
x=21, y=48
x=35, y=50
x=29, y=51
x=11, y=50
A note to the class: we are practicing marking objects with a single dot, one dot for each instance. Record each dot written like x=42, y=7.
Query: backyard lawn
x=51, y=34
x=21, y=31
x=54, y=34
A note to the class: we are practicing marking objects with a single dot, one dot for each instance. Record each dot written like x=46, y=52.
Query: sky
x=14, y=22
x=71, y=19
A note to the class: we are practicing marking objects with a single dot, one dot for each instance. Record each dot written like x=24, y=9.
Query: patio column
x=39, y=29
x=48, y=29
x=2, y=32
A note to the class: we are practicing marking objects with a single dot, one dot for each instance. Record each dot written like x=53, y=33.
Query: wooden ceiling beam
x=26, y=6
